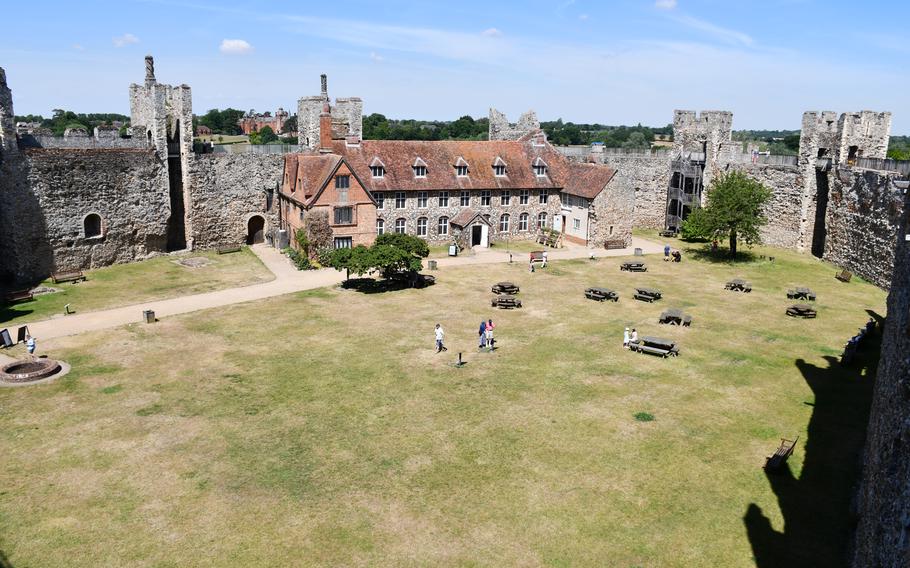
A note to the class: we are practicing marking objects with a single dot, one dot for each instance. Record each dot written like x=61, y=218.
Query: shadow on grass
x=374, y=286
x=818, y=522
x=8, y=312
x=721, y=255
x=4, y=561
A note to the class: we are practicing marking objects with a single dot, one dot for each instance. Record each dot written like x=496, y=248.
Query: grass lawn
x=153, y=279
x=321, y=428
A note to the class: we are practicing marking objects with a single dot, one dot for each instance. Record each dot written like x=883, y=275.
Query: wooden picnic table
x=647, y=294
x=801, y=293
x=633, y=266
x=655, y=346
x=505, y=288
x=601, y=294
x=738, y=285
x=675, y=316
x=802, y=311
x=506, y=302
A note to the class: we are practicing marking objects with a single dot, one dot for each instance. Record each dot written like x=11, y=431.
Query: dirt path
x=287, y=280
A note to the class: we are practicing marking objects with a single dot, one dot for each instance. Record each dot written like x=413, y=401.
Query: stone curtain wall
x=883, y=502
x=647, y=178
x=127, y=188
x=501, y=129
x=613, y=208
x=863, y=216
x=226, y=190
x=785, y=220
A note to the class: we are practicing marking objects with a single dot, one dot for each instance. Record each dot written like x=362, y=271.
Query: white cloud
x=125, y=39
x=665, y=4
x=583, y=17
x=723, y=34
x=491, y=32
x=235, y=46
x=376, y=57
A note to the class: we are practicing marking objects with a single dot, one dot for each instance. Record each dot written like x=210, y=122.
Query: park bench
x=777, y=461
x=844, y=275
x=506, y=302
x=505, y=288
x=674, y=316
x=647, y=294
x=633, y=266
x=655, y=346
x=611, y=244
x=738, y=285
x=601, y=294
x=801, y=293
x=72, y=276
x=669, y=233
x=802, y=311
x=228, y=249
x=414, y=279
x=539, y=257
x=18, y=296
x=549, y=238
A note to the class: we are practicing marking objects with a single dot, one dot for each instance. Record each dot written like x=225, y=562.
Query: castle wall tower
x=501, y=129
x=346, y=113
x=8, y=144
x=710, y=133
x=863, y=134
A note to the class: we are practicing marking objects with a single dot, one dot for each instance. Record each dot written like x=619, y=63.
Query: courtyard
x=321, y=426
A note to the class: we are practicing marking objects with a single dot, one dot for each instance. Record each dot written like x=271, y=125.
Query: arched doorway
x=255, y=230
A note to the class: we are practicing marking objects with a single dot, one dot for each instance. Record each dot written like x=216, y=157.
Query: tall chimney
x=325, y=128
x=324, y=83
x=149, y=70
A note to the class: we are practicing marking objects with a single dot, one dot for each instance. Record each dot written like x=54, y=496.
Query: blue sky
x=607, y=61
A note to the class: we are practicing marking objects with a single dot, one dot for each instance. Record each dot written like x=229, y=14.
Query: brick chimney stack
x=325, y=129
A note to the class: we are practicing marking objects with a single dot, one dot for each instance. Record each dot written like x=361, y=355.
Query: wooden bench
x=506, y=302
x=538, y=257
x=802, y=311
x=669, y=233
x=844, y=275
x=655, y=346
x=777, y=461
x=19, y=296
x=601, y=294
x=228, y=249
x=633, y=266
x=647, y=294
x=738, y=285
x=612, y=244
x=505, y=288
x=72, y=276
x=551, y=239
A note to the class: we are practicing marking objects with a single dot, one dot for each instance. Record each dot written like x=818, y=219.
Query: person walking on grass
x=440, y=336
x=625, y=339
x=634, y=337
x=488, y=331
x=482, y=332
x=666, y=253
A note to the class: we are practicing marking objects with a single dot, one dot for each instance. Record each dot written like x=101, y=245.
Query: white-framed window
x=543, y=197
x=499, y=170
x=420, y=171
x=344, y=215
x=485, y=198
x=504, y=223
x=523, y=196
x=422, y=199
x=465, y=198
x=421, y=226
x=442, y=227
x=540, y=169
x=461, y=171
x=443, y=198
x=399, y=200
x=380, y=226
x=576, y=224
x=505, y=198
x=400, y=225
x=377, y=171
x=92, y=227
x=344, y=242
x=379, y=197
x=542, y=220
x=523, y=222
x=342, y=182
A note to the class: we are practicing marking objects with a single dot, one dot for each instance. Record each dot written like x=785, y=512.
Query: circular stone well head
x=28, y=371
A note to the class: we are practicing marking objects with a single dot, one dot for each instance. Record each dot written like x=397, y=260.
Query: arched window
x=523, y=222
x=92, y=225
x=504, y=223
x=421, y=226
x=380, y=226
x=400, y=224
x=443, y=226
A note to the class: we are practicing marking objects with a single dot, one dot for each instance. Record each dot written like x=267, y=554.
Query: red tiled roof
x=398, y=157
x=465, y=216
x=309, y=172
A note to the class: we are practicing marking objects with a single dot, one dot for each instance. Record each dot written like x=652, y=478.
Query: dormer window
x=377, y=168
x=540, y=168
x=420, y=168
x=499, y=167
x=461, y=168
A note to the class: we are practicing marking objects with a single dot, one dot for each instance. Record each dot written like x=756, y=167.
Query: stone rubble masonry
x=612, y=213
x=883, y=501
x=501, y=129
x=347, y=118
x=709, y=132
x=648, y=177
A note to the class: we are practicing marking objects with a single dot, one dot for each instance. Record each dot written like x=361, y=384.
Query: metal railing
x=766, y=159
x=901, y=167
x=255, y=149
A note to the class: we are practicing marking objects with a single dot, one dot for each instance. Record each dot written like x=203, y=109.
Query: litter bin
x=148, y=316
x=638, y=252
x=432, y=264
x=453, y=250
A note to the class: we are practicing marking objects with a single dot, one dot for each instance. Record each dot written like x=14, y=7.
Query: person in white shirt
x=440, y=335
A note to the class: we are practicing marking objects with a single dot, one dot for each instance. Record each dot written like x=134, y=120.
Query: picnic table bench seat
x=633, y=266
x=777, y=461
x=802, y=311
x=655, y=346
x=801, y=293
x=18, y=296
x=738, y=285
x=601, y=294
x=505, y=288
x=70, y=276
x=647, y=294
x=674, y=316
x=669, y=233
x=505, y=302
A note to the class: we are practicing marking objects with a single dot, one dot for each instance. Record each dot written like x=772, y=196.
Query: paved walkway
x=287, y=280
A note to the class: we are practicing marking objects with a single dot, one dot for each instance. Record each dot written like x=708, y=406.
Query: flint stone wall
x=648, y=177
x=612, y=214
x=226, y=190
x=784, y=210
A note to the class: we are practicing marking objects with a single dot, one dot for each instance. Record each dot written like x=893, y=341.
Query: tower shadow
x=816, y=507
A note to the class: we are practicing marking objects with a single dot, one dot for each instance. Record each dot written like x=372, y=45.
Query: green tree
x=734, y=209
x=391, y=253
x=290, y=126
x=267, y=135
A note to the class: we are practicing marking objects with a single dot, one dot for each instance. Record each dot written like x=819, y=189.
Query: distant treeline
x=899, y=148
x=63, y=119
x=378, y=127
x=564, y=133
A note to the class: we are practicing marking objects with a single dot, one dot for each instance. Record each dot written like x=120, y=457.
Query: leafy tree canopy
x=389, y=254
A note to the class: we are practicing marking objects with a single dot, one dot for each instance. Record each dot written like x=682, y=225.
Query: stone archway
x=255, y=230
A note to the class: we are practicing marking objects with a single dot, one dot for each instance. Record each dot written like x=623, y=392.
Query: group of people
x=485, y=336
x=675, y=255
x=629, y=337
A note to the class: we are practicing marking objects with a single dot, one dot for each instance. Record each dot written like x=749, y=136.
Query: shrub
x=644, y=416
x=301, y=261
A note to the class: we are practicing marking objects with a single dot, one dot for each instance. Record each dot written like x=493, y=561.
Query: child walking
x=440, y=336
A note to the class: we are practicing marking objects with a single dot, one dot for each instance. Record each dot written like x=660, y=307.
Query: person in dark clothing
x=483, y=335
